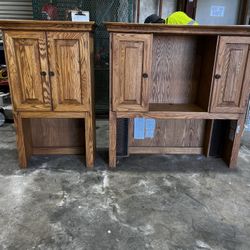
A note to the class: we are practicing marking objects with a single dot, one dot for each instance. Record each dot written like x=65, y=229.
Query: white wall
x=230, y=14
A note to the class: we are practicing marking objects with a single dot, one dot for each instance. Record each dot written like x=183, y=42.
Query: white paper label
x=217, y=11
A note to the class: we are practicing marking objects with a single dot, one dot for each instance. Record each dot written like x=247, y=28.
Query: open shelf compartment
x=182, y=72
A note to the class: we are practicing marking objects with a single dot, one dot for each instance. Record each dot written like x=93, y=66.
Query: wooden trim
x=165, y=150
x=231, y=149
x=58, y=151
x=46, y=25
x=112, y=139
x=236, y=30
x=178, y=115
x=53, y=114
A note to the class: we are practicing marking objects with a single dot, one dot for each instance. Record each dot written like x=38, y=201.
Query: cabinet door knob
x=51, y=73
x=217, y=76
x=43, y=73
x=145, y=75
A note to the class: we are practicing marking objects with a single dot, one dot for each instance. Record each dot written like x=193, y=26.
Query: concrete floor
x=150, y=202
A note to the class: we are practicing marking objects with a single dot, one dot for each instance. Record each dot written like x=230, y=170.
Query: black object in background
x=122, y=137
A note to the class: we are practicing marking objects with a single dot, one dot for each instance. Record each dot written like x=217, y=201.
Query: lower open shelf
x=166, y=150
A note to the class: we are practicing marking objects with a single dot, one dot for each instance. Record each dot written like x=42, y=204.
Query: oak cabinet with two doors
x=190, y=80
x=51, y=82
x=132, y=74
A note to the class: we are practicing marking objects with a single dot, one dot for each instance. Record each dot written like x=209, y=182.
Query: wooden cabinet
x=178, y=89
x=69, y=70
x=28, y=67
x=131, y=73
x=232, y=75
x=51, y=80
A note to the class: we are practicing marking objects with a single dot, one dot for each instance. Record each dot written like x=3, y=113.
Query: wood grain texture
x=57, y=115
x=175, y=69
x=57, y=132
x=90, y=140
x=23, y=140
x=182, y=89
x=37, y=25
x=69, y=57
x=58, y=151
x=166, y=150
x=208, y=50
x=67, y=69
x=232, y=145
x=233, y=65
x=131, y=55
x=27, y=57
x=238, y=30
x=179, y=115
x=112, y=139
x=171, y=133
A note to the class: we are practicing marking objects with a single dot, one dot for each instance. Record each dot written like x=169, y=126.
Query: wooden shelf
x=175, y=107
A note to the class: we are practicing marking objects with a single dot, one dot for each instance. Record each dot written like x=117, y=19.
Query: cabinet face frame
x=131, y=73
x=229, y=94
x=30, y=88
x=69, y=54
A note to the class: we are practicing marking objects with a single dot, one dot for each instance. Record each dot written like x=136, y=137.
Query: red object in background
x=49, y=11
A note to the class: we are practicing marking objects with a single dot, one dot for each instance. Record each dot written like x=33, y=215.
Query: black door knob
x=51, y=73
x=145, y=75
x=217, y=76
x=43, y=73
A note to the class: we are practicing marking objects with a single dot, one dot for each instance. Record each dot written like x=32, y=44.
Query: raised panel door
x=232, y=75
x=26, y=54
x=131, y=71
x=69, y=58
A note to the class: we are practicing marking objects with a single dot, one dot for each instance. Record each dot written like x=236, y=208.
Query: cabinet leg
x=112, y=139
x=90, y=140
x=23, y=140
x=232, y=148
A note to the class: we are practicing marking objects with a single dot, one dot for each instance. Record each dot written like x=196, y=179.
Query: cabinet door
x=26, y=54
x=131, y=72
x=69, y=58
x=232, y=75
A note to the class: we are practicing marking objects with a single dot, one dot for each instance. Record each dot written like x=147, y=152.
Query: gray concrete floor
x=149, y=202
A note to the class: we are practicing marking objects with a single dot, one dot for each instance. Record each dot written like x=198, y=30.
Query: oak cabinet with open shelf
x=50, y=66
x=186, y=78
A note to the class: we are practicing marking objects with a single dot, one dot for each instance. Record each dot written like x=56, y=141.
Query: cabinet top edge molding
x=178, y=29
x=46, y=25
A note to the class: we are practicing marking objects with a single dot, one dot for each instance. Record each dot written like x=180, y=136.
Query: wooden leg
x=24, y=145
x=90, y=140
x=233, y=145
x=112, y=139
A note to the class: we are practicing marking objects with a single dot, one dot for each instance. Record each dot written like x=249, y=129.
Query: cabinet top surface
x=46, y=25
x=178, y=29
